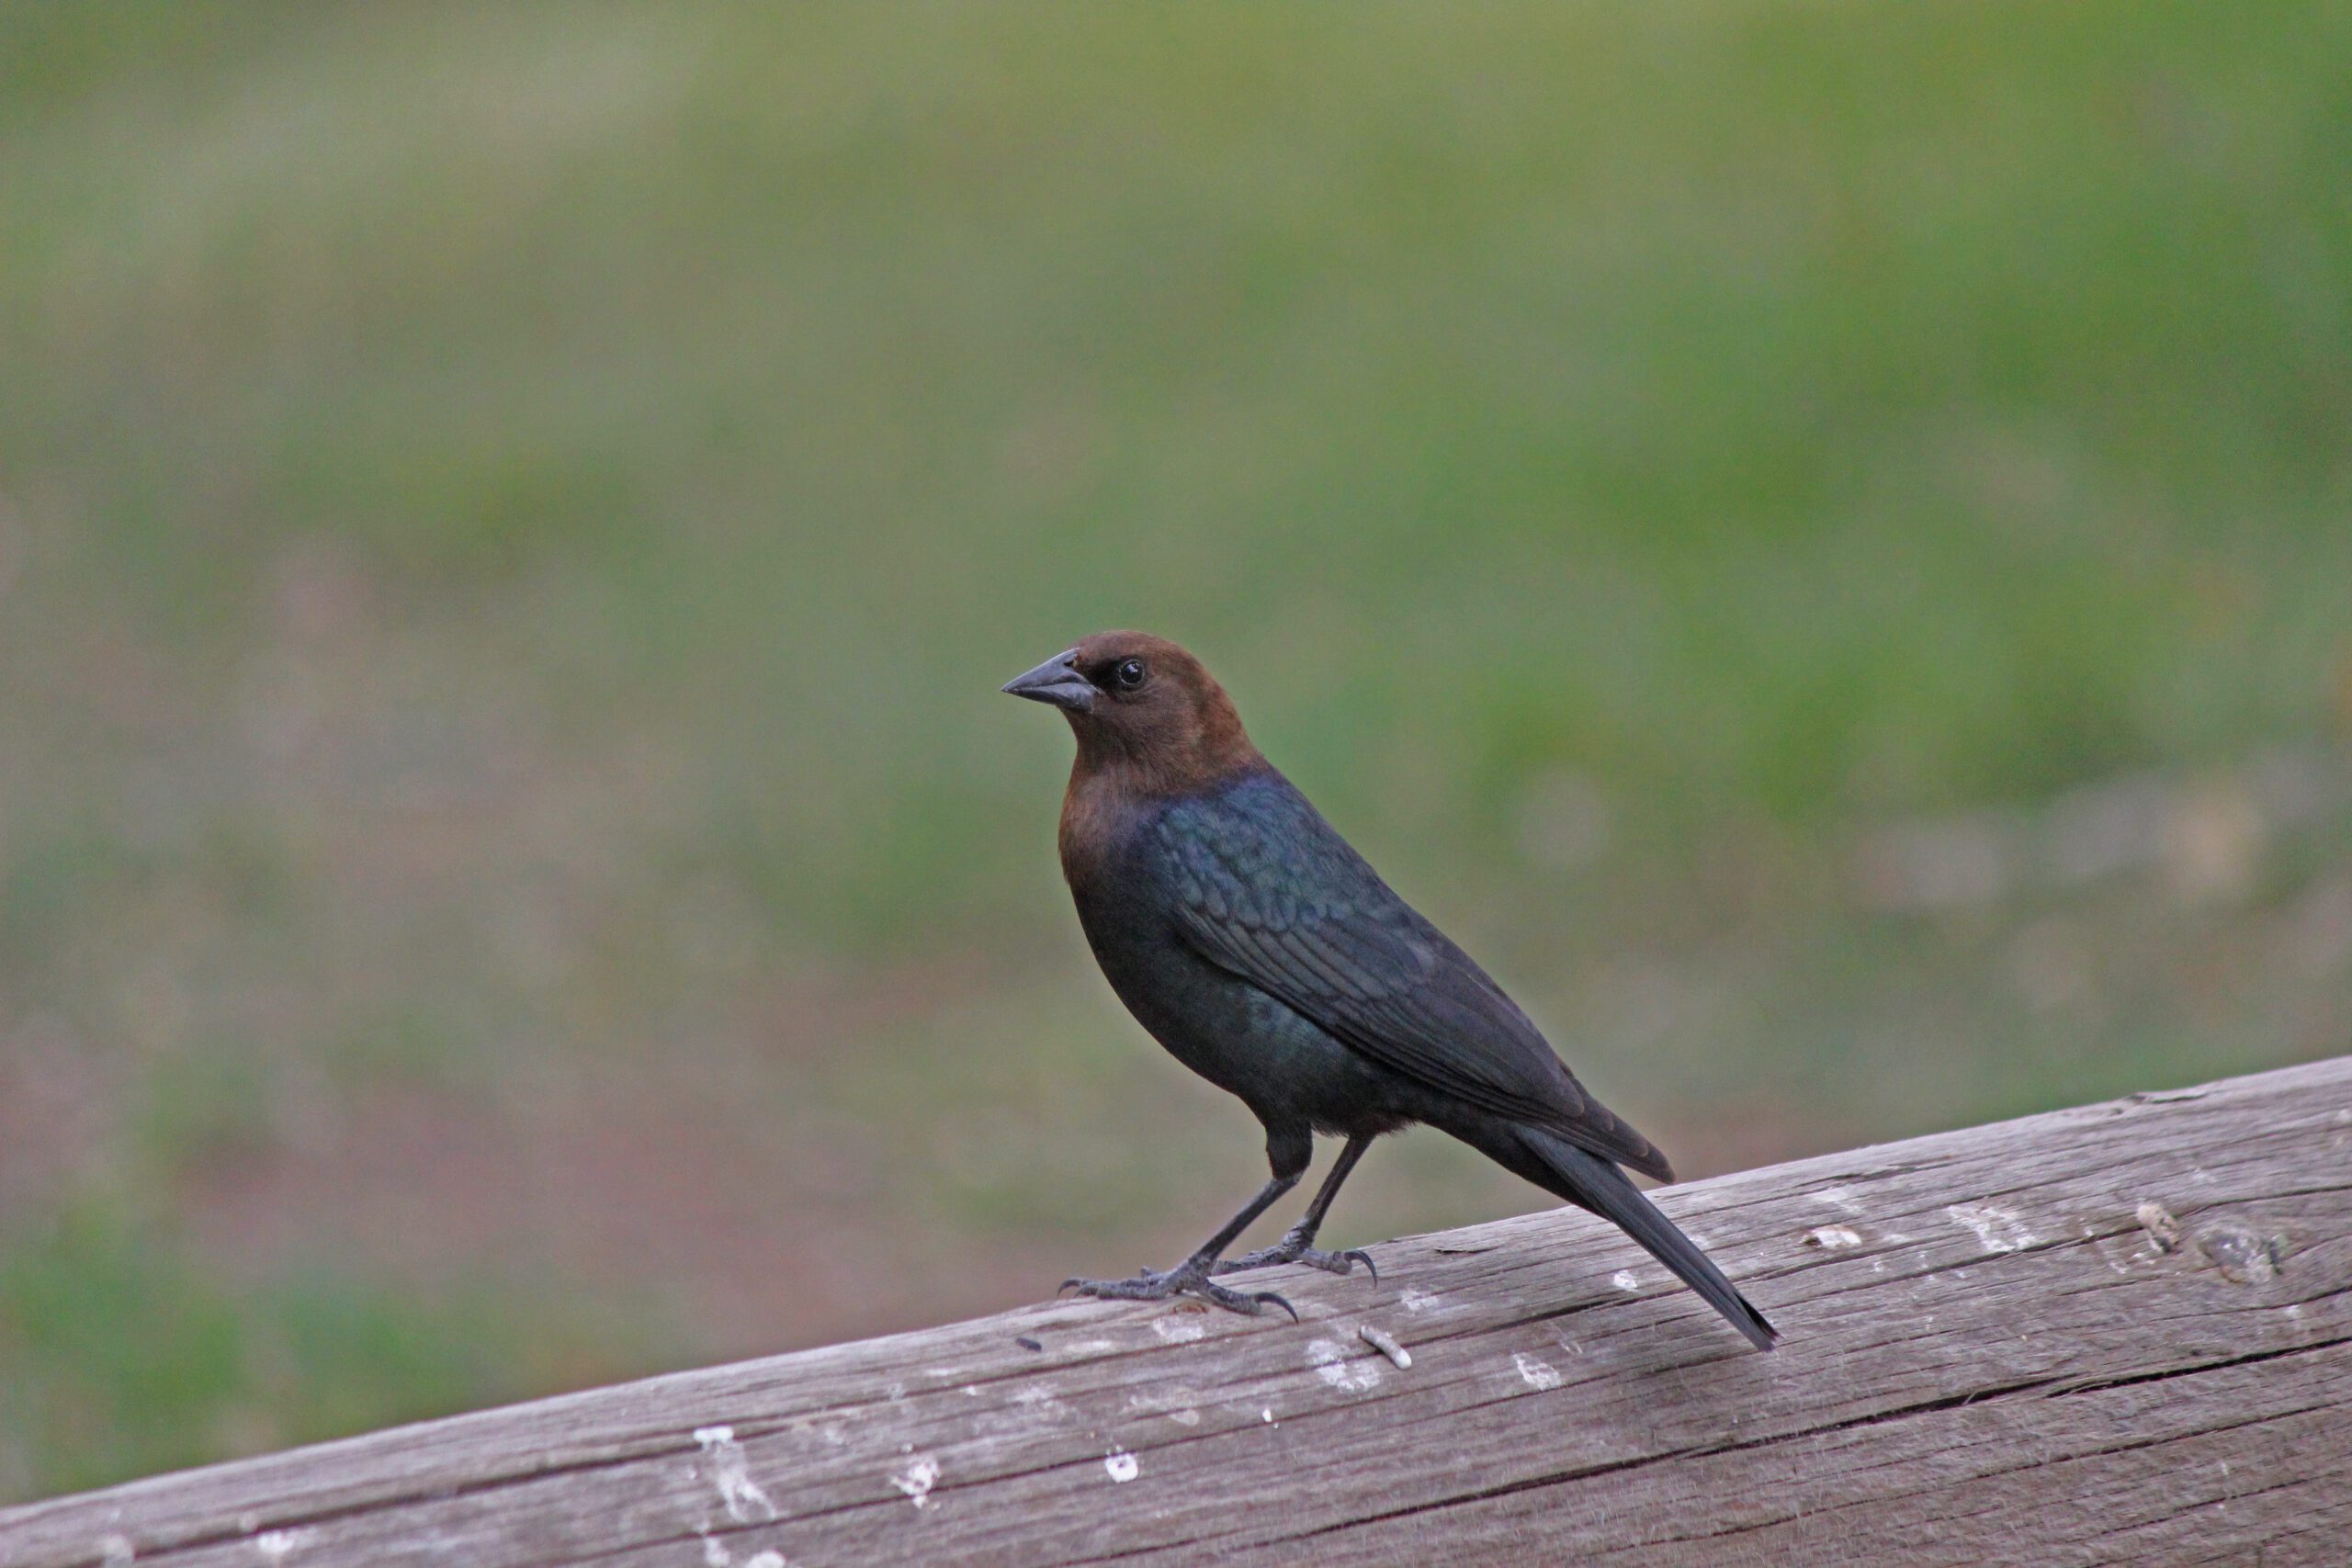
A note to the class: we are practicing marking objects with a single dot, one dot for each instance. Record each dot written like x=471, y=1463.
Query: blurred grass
x=510, y=520
x=127, y=1357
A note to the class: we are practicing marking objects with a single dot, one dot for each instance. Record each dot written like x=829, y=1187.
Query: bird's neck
x=1111, y=794
x=1193, y=747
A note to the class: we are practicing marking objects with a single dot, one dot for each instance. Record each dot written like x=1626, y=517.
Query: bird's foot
x=1190, y=1277
x=1292, y=1249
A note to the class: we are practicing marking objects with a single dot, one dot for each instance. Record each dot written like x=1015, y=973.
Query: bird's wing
x=1267, y=890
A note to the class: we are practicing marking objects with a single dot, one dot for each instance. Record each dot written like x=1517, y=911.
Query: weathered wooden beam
x=2120, y=1334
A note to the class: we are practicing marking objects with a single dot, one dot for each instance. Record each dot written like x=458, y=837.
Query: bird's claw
x=1191, y=1278
x=1329, y=1262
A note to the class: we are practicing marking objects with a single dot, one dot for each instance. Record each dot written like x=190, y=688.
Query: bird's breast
x=1101, y=822
x=1227, y=1031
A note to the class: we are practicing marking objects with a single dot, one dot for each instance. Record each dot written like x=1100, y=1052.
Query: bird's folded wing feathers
x=1271, y=893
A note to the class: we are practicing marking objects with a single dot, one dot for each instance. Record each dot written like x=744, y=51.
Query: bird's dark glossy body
x=1254, y=943
x=1132, y=903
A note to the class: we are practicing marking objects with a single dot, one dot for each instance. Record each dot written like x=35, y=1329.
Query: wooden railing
x=2119, y=1334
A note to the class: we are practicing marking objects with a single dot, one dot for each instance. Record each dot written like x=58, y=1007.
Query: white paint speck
x=1330, y=1359
x=2163, y=1229
x=1267, y=1415
x=1623, y=1279
x=277, y=1546
x=1414, y=1301
x=917, y=1480
x=730, y=1472
x=115, y=1552
x=1535, y=1372
x=1186, y=1418
x=1121, y=1466
x=1829, y=1238
x=716, y=1555
x=1997, y=1229
x=1178, y=1330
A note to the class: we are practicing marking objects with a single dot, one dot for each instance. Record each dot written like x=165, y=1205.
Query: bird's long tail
x=1585, y=1178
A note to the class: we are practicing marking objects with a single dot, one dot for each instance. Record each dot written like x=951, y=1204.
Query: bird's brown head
x=1142, y=708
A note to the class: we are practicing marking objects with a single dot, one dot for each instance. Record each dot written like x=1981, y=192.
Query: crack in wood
x=2055, y=1387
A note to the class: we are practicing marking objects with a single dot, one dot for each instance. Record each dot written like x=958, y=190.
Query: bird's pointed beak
x=1058, y=682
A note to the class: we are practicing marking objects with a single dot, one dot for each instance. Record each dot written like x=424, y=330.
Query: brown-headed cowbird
x=1266, y=955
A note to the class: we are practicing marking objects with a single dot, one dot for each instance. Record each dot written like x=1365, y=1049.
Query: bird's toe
x=1248, y=1303
x=1313, y=1258
x=1148, y=1285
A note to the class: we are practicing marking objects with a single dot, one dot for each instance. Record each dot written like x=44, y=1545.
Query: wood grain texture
x=2115, y=1335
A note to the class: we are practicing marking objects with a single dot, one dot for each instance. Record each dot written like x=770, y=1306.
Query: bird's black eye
x=1129, y=674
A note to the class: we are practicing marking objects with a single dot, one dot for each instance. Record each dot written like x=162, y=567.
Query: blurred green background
x=1818, y=539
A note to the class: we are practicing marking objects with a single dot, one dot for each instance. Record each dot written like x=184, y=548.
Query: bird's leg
x=1298, y=1245
x=1288, y=1153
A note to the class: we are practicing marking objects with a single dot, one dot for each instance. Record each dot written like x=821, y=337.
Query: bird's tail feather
x=1585, y=1178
